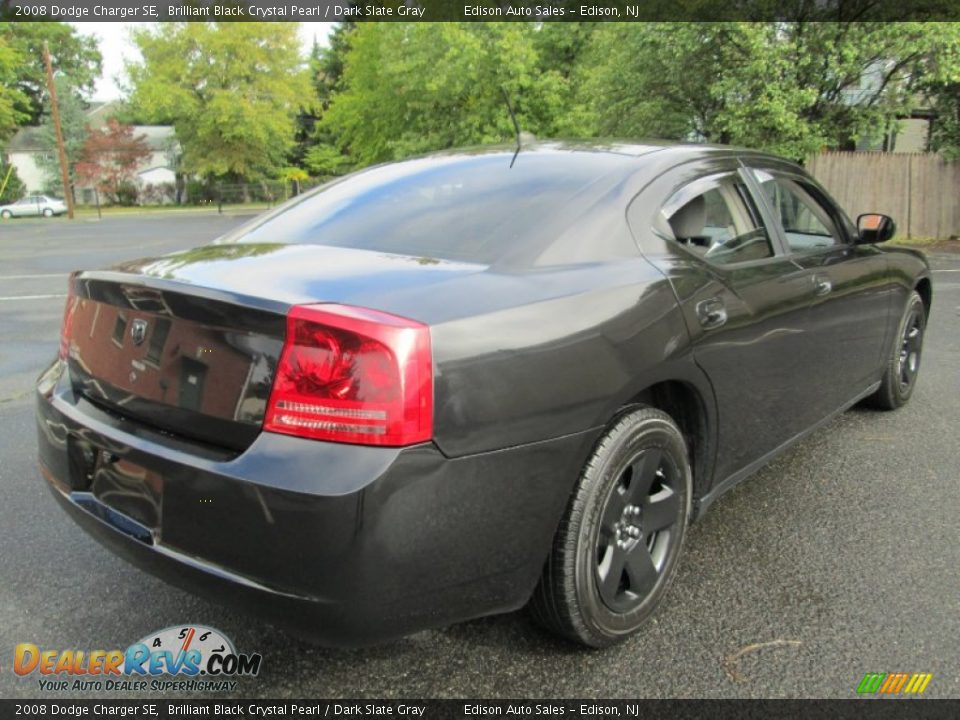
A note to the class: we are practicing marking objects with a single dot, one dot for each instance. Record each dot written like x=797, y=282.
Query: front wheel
x=47, y=212
x=619, y=542
x=6, y=214
x=903, y=363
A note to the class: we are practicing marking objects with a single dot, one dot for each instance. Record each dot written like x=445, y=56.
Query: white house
x=155, y=171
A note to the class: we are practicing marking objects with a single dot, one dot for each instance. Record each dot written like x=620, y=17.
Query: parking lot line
x=31, y=277
x=32, y=297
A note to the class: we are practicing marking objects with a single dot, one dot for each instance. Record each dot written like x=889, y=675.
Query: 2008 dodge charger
x=447, y=387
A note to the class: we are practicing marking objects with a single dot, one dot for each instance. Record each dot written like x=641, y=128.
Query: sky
x=113, y=38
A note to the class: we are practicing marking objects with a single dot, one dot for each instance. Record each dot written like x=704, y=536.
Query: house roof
x=158, y=137
x=32, y=140
x=27, y=140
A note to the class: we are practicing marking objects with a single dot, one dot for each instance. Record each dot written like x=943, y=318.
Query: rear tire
x=903, y=364
x=618, y=544
x=47, y=212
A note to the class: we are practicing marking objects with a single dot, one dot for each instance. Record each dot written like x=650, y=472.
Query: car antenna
x=516, y=125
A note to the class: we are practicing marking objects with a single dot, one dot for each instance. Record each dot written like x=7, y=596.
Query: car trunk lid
x=189, y=343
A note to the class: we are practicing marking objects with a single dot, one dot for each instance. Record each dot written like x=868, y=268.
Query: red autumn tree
x=110, y=158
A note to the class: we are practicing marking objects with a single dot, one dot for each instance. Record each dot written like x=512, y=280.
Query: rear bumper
x=347, y=545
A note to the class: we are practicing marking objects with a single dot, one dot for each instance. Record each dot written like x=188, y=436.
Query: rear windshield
x=460, y=207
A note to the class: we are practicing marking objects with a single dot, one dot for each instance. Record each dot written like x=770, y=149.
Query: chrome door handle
x=822, y=284
x=711, y=313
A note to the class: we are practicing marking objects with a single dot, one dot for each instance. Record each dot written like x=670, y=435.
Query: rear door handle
x=822, y=284
x=711, y=313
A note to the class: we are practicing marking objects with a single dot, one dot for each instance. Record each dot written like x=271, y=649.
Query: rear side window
x=806, y=223
x=715, y=219
x=462, y=207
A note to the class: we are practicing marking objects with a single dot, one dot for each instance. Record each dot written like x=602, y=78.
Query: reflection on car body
x=450, y=386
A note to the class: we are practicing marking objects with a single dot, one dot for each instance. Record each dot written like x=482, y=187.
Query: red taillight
x=353, y=375
x=68, y=311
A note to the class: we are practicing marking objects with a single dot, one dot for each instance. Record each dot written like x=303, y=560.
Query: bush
x=127, y=194
x=199, y=193
x=158, y=194
x=15, y=188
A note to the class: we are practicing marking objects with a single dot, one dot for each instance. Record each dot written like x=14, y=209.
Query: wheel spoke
x=641, y=571
x=644, y=473
x=660, y=511
x=610, y=571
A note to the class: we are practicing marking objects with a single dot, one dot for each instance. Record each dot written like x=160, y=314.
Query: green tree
x=326, y=70
x=232, y=91
x=73, y=124
x=791, y=87
x=14, y=188
x=13, y=101
x=945, y=134
x=941, y=88
x=72, y=53
x=414, y=87
x=327, y=63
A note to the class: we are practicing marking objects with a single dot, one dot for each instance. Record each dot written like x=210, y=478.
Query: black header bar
x=443, y=709
x=478, y=10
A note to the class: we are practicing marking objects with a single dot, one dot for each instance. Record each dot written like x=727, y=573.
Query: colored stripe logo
x=898, y=683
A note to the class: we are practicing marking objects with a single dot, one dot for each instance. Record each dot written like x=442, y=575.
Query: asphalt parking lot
x=838, y=559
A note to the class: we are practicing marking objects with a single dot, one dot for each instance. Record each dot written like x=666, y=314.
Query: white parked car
x=32, y=206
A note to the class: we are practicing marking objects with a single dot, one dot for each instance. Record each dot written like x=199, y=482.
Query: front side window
x=805, y=221
x=715, y=218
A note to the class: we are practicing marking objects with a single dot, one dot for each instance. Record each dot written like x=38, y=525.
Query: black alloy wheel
x=903, y=363
x=911, y=343
x=618, y=544
x=637, y=526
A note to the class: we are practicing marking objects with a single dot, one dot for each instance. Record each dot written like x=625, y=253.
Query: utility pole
x=55, y=112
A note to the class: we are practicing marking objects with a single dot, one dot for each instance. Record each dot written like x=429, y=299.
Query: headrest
x=689, y=220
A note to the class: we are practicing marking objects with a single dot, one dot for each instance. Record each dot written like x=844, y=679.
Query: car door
x=850, y=311
x=24, y=207
x=745, y=303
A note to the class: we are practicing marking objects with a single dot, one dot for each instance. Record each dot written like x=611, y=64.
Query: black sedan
x=447, y=387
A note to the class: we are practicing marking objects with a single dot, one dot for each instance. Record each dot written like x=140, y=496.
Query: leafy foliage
x=14, y=188
x=413, y=87
x=245, y=105
x=231, y=90
x=110, y=157
x=73, y=124
x=72, y=54
x=12, y=100
x=792, y=88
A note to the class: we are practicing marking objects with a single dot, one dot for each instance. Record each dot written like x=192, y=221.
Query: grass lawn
x=87, y=211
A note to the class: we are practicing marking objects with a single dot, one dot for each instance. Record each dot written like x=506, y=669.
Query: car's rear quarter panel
x=546, y=366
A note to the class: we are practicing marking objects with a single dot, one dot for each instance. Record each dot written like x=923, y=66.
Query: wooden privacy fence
x=920, y=191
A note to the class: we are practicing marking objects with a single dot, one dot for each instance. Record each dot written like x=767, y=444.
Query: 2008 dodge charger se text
x=442, y=388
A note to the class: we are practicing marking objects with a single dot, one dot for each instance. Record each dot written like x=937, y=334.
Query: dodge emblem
x=138, y=331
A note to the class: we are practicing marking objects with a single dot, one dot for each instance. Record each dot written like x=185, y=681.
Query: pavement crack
x=18, y=396
x=730, y=662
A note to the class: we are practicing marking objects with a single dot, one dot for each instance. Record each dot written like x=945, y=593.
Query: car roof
x=552, y=194
x=643, y=160
x=681, y=151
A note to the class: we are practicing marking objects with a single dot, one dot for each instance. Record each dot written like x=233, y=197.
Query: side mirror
x=875, y=228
